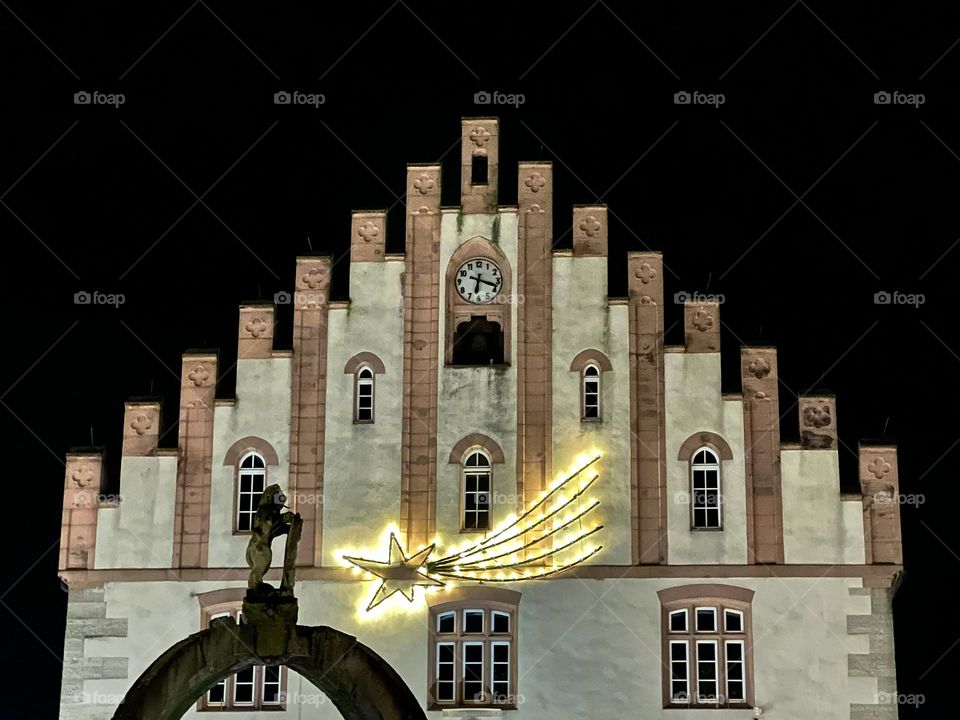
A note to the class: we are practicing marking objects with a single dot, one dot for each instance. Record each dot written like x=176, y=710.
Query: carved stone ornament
x=257, y=327
x=315, y=278
x=590, y=225
x=140, y=424
x=702, y=320
x=535, y=182
x=479, y=136
x=878, y=467
x=368, y=231
x=424, y=184
x=758, y=367
x=199, y=375
x=817, y=416
x=645, y=273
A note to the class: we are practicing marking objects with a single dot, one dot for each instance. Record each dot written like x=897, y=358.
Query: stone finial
x=880, y=484
x=645, y=277
x=479, y=151
x=590, y=231
x=701, y=327
x=368, y=236
x=312, y=289
x=141, y=428
x=255, y=336
x=758, y=373
x=83, y=478
x=818, y=422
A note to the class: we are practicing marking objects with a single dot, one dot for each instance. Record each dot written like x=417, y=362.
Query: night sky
x=799, y=198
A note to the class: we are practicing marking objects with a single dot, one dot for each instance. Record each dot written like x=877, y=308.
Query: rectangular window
x=476, y=509
x=500, y=671
x=500, y=622
x=679, y=671
x=707, y=680
x=678, y=621
x=446, y=668
x=446, y=622
x=473, y=672
x=706, y=619
x=736, y=683
x=243, y=685
x=473, y=621
x=732, y=621
x=271, y=685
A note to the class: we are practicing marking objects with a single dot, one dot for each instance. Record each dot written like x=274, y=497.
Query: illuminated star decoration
x=400, y=574
x=535, y=545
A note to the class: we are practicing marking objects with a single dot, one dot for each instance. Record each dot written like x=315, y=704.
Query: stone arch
x=364, y=358
x=251, y=442
x=584, y=357
x=475, y=440
x=358, y=682
x=701, y=439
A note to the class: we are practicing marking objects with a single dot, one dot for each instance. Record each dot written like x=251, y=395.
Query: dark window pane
x=445, y=691
x=501, y=624
x=501, y=673
x=217, y=693
x=706, y=651
x=735, y=671
x=471, y=483
x=677, y=652
x=445, y=624
x=473, y=691
x=473, y=623
x=678, y=622
x=735, y=690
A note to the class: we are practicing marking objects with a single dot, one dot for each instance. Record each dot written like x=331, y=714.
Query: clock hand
x=477, y=278
x=487, y=282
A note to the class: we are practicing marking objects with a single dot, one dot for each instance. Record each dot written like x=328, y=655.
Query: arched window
x=473, y=651
x=478, y=342
x=590, y=393
x=363, y=395
x=707, y=646
x=706, y=500
x=251, y=481
x=477, y=485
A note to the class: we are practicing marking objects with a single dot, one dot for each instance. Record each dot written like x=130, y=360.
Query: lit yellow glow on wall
x=515, y=550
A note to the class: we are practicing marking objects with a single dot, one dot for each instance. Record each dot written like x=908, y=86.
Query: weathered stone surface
x=359, y=682
x=99, y=627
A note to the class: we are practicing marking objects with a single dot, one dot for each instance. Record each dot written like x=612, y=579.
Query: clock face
x=479, y=281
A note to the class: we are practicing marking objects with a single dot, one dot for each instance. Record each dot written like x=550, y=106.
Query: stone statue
x=269, y=523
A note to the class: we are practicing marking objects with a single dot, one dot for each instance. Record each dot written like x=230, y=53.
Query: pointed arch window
x=251, y=481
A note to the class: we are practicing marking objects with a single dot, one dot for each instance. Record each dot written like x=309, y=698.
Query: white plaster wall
x=262, y=409
x=138, y=533
x=694, y=404
x=588, y=648
x=581, y=320
x=476, y=399
x=362, y=462
x=818, y=527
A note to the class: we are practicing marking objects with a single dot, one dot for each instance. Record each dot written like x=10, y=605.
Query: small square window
x=446, y=622
x=706, y=619
x=473, y=621
x=732, y=621
x=501, y=622
x=678, y=621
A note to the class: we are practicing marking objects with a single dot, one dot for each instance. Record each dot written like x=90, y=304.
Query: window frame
x=369, y=380
x=598, y=379
x=229, y=704
x=476, y=470
x=715, y=465
x=489, y=601
x=254, y=472
x=738, y=601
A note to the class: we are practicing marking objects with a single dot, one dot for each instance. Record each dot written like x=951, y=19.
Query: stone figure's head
x=273, y=495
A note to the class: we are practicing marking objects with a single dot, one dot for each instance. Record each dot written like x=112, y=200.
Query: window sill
x=706, y=529
x=471, y=712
